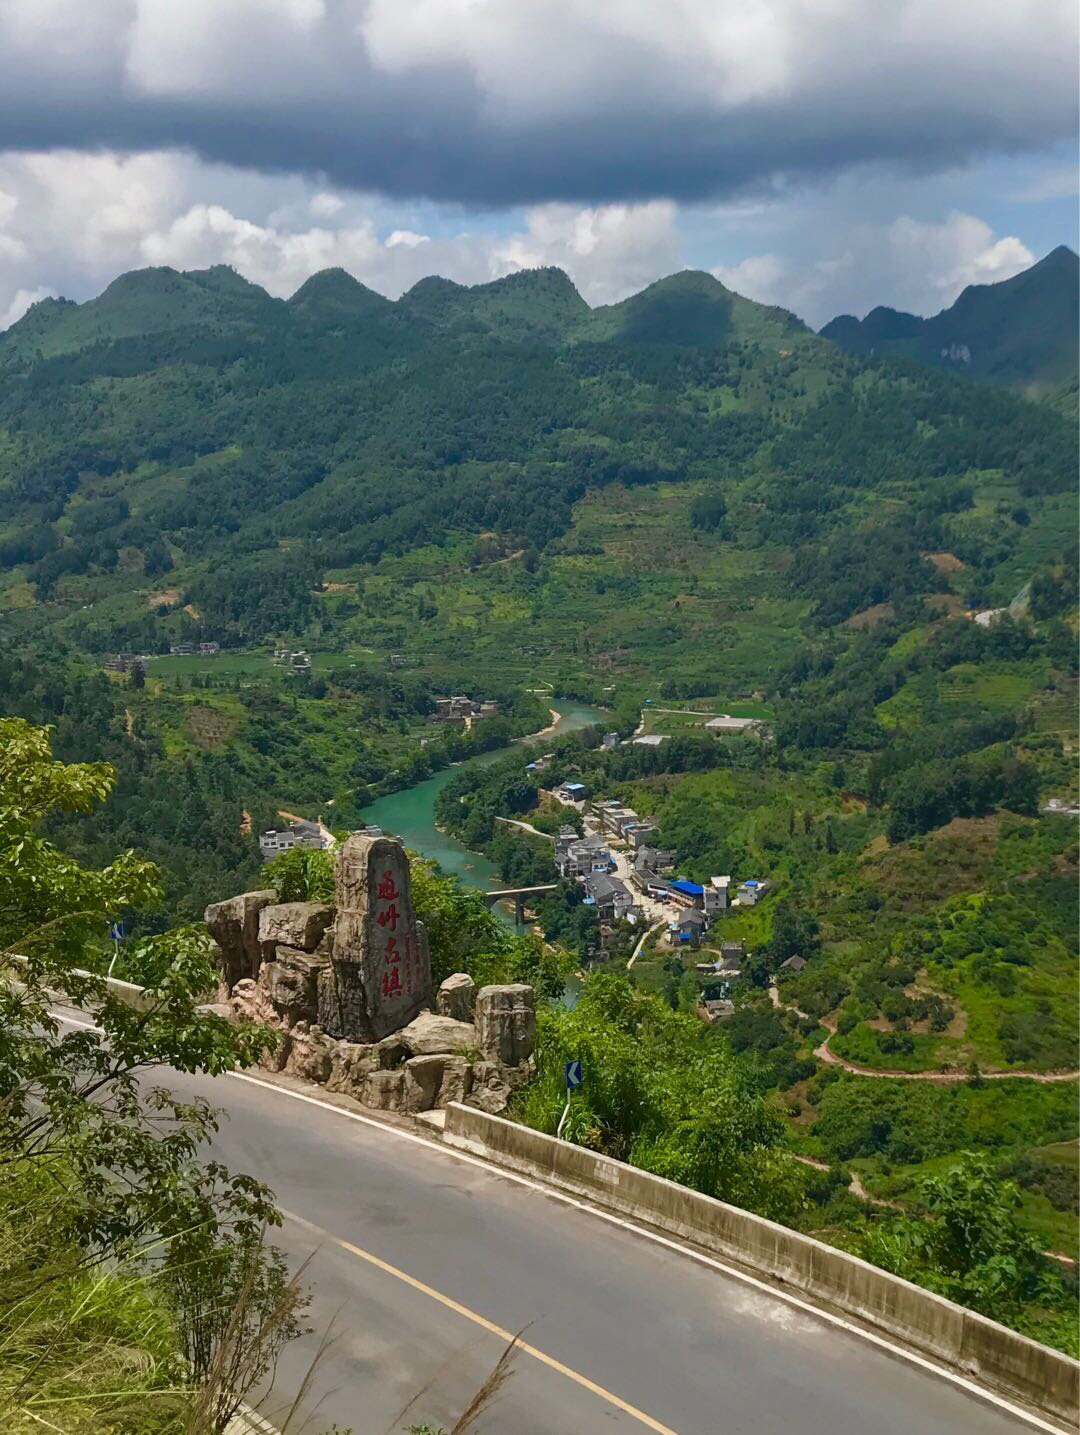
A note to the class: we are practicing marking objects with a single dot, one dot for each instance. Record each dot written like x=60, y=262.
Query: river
x=410, y=814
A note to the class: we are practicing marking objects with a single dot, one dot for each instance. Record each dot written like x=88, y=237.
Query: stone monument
x=379, y=976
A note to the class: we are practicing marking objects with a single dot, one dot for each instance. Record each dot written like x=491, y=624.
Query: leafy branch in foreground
x=973, y=1250
x=77, y=1110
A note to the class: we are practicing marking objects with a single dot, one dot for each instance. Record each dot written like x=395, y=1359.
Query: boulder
x=456, y=997
x=293, y=924
x=278, y=1055
x=310, y=1053
x=391, y=1052
x=224, y=1010
x=432, y=1081
x=350, y=1065
x=456, y=1080
x=506, y=1023
x=234, y=925
x=383, y=1090
x=290, y=982
x=249, y=1003
x=489, y=1090
x=428, y=1034
x=423, y=1077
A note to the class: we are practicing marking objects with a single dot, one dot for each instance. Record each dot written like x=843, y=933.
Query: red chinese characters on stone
x=391, y=983
x=409, y=972
x=386, y=891
x=389, y=918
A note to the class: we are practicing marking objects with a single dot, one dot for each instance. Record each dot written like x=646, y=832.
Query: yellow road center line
x=485, y=1324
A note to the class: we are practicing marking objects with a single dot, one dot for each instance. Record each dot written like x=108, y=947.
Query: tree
x=794, y=934
x=71, y=1099
x=972, y=1249
x=709, y=512
x=662, y=1093
x=303, y=874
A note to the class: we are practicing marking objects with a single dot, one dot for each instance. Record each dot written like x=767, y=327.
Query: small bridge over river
x=517, y=895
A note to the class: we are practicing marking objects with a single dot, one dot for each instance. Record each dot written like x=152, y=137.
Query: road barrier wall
x=993, y=1355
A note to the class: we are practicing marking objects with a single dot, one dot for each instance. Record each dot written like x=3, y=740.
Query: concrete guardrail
x=999, y=1358
x=961, y=1339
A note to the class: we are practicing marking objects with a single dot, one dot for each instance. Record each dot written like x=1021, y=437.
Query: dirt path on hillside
x=938, y=1078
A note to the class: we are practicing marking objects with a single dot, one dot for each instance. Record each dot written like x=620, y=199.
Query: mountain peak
x=539, y=303
x=690, y=308
x=333, y=292
x=1019, y=331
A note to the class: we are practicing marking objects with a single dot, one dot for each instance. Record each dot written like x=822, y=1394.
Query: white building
x=717, y=895
x=724, y=723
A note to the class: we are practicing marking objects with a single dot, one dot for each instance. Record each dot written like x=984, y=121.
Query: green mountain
x=188, y=433
x=537, y=303
x=143, y=303
x=1021, y=332
x=690, y=309
x=681, y=504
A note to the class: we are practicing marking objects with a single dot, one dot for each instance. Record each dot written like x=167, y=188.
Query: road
x=654, y=911
x=422, y=1256
x=937, y=1078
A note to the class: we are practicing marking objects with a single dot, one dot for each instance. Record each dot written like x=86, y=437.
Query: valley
x=252, y=548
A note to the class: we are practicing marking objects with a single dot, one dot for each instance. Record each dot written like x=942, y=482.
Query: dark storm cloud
x=535, y=100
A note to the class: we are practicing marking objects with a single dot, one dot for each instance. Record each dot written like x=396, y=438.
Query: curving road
x=422, y=1259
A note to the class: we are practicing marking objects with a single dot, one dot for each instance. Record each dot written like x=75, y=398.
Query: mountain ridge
x=1019, y=332
x=687, y=308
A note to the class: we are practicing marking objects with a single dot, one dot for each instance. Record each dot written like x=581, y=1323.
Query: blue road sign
x=574, y=1078
x=116, y=931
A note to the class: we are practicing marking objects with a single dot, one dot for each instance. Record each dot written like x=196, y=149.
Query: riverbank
x=549, y=731
x=410, y=812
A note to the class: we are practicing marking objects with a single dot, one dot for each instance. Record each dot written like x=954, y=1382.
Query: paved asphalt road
x=656, y=1340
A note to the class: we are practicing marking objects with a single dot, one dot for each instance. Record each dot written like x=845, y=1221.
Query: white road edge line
x=980, y=1392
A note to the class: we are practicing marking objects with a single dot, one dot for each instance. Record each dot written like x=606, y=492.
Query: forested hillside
x=494, y=488
x=186, y=457
x=680, y=504
x=1021, y=332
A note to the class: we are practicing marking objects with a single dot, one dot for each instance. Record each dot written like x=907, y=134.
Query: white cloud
x=407, y=237
x=907, y=264
x=70, y=223
x=324, y=205
x=609, y=251
x=1060, y=183
x=20, y=301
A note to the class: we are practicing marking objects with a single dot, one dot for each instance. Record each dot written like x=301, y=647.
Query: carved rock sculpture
x=347, y=989
x=379, y=976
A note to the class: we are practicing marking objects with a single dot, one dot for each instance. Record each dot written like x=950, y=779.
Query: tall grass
x=87, y=1346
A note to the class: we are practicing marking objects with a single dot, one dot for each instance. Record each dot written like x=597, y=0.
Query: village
x=628, y=877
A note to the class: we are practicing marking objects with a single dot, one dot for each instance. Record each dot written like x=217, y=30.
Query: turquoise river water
x=410, y=814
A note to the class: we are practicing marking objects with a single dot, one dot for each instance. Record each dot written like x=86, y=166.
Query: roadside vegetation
x=685, y=501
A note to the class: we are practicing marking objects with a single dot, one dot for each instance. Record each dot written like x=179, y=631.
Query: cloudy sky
x=827, y=155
